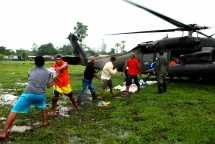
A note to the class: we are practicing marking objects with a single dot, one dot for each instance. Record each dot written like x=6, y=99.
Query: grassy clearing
x=185, y=114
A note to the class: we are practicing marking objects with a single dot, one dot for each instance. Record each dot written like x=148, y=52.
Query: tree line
x=66, y=49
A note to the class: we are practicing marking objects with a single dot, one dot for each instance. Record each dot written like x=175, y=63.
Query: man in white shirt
x=107, y=71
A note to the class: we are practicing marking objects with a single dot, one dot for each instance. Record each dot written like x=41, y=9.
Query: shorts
x=67, y=90
x=106, y=83
x=24, y=102
x=129, y=80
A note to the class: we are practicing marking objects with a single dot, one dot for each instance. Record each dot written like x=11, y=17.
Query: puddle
x=8, y=99
x=64, y=111
x=2, y=118
x=19, y=128
x=36, y=123
x=125, y=134
x=22, y=84
x=117, y=97
x=74, y=139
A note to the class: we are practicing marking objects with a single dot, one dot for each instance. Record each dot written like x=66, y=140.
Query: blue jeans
x=86, y=84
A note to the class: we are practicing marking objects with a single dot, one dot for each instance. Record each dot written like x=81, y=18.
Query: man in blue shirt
x=151, y=67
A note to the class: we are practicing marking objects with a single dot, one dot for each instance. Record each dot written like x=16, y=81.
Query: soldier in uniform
x=161, y=71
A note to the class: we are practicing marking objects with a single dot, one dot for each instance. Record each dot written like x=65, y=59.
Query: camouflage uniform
x=161, y=68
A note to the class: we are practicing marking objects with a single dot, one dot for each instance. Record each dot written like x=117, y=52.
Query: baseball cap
x=58, y=56
x=132, y=55
x=161, y=52
x=91, y=58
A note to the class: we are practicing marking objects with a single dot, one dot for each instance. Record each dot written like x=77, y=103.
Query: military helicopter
x=194, y=56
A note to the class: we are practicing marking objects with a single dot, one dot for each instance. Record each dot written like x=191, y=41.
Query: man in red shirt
x=62, y=85
x=172, y=62
x=133, y=70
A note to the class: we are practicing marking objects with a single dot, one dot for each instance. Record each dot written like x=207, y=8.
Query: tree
x=103, y=47
x=122, y=46
x=66, y=49
x=112, y=51
x=8, y=52
x=34, y=48
x=24, y=55
x=117, y=45
x=47, y=49
x=1, y=56
x=2, y=49
x=81, y=31
x=86, y=48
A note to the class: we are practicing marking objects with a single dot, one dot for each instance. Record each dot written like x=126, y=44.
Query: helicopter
x=194, y=56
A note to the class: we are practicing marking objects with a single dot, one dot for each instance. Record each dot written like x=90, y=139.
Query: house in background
x=11, y=58
x=46, y=57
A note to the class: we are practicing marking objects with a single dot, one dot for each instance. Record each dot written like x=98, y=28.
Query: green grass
x=184, y=114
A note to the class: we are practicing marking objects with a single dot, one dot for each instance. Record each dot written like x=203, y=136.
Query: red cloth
x=63, y=79
x=172, y=63
x=132, y=64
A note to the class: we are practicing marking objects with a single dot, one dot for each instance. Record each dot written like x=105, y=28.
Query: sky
x=24, y=22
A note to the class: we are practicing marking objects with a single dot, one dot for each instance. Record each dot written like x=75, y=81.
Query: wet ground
x=64, y=108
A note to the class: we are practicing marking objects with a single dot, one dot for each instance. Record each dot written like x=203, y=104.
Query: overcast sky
x=24, y=22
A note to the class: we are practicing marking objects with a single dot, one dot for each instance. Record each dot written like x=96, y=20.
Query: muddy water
x=22, y=84
x=15, y=128
x=7, y=99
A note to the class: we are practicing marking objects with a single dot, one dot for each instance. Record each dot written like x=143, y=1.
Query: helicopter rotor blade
x=168, y=19
x=205, y=34
x=152, y=31
x=211, y=35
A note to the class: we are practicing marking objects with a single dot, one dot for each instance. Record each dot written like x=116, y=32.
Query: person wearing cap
x=107, y=71
x=89, y=73
x=133, y=70
x=62, y=85
x=34, y=94
x=161, y=71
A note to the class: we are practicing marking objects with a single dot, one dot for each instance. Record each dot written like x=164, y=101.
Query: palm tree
x=117, y=45
x=122, y=46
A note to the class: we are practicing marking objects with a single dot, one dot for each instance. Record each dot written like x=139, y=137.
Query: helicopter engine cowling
x=180, y=43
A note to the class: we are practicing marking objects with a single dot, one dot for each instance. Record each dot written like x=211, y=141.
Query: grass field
x=184, y=114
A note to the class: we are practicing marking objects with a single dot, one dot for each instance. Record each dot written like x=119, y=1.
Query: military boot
x=164, y=87
x=160, y=87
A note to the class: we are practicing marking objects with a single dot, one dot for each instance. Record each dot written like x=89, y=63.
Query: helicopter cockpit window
x=148, y=57
x=207, y=48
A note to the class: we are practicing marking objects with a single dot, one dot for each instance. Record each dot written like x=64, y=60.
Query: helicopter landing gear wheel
x=208, y=80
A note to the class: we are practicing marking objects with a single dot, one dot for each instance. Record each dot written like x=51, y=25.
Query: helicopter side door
x=148, y=59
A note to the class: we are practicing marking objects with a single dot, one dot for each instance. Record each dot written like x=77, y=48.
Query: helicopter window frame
x=148, y=56
x=165, y=54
